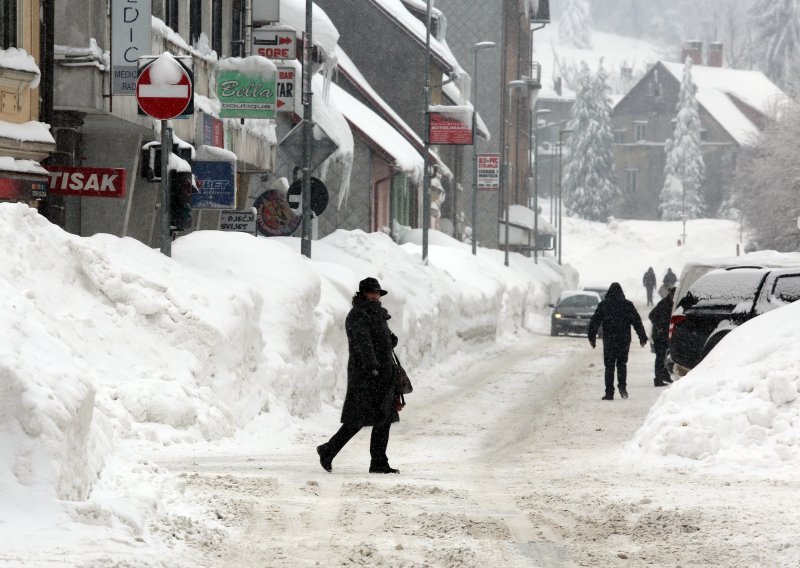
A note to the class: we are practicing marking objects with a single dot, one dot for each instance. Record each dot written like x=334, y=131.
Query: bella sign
x=245, y=96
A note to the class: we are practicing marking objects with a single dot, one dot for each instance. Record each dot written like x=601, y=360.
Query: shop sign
x=274, y=216
x=216, y=185
x=87, y=182
x=238, y=221
x=243, y=95
x=489, y=171
x=275, y=43
x=130, y=38
x=213, y=131
x=449, y=129
x=20, y=189
x=286, y=88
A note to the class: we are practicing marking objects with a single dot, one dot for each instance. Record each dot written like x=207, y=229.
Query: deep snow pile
x=110, y=345
x=739, y=409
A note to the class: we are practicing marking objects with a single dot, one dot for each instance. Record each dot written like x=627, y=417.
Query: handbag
x=402, y=382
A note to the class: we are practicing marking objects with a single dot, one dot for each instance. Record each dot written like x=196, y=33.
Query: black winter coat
x=370, y=398
x=616, y=315
x=649, y=279
x=660, y=316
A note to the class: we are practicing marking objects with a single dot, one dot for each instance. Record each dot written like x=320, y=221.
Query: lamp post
x=475, y=49
x=535, y=139
x=426, y=177
x=560, y=184
x=515, y=84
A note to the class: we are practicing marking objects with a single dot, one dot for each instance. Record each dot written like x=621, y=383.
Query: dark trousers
x=649, y=295
x=661, y=371
x=377, y=444
x=615, y=356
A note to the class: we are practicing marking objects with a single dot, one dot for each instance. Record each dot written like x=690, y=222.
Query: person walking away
x=660, y=316
x=616, y=315
x=369, y=400
x=669, y=279
x=649, y=281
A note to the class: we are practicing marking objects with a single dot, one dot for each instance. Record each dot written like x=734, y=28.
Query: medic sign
x=131, y=25
x=275, y=43
x=87, y=182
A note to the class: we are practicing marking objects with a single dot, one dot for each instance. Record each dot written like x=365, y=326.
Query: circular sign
x=274, y=217
x=164, y=88
x=319, y=195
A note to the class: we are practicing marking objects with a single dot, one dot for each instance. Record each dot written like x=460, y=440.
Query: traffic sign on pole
x=165, y=88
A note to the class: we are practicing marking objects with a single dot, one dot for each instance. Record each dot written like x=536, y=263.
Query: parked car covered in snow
x=718, y=302
x=601, y=290
x=573, y=312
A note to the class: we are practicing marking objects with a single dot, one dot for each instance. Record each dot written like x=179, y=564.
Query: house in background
x=734, y=108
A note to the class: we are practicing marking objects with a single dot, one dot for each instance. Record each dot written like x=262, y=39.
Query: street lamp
x=539, y=112
x=560, y=171
x=476, y=48
x=515, y=84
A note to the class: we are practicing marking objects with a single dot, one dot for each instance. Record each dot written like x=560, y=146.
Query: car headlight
x=557, y=316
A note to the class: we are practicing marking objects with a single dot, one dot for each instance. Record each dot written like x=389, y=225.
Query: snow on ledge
x=19, y=60
x=9, y=164
x=32, y=131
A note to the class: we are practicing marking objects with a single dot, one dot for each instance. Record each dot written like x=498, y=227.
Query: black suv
x=720, y=301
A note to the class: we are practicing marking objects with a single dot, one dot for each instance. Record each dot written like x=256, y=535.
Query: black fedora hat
x=371, y=285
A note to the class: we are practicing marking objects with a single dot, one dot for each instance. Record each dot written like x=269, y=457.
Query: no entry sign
x=165, y=87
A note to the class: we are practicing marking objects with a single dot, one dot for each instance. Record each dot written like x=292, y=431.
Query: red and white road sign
x=87, y=182
x=164, y=88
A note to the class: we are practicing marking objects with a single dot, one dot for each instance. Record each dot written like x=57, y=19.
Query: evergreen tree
x=575, y=26
x=589, y=186
x=777, y=24
x=685, y=171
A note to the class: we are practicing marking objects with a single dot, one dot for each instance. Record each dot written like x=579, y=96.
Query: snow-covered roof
x=523, y=216
x=398, y=12
x=406, y=157
x=325, y=34
x=717, y=89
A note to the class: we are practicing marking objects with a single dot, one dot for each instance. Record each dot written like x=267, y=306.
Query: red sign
x=15, y=189
x=165, y=99
x=446, y=128
x=489, y=171
x=87, y=182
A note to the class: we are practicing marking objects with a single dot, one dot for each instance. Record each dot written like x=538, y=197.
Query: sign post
x=164, y=90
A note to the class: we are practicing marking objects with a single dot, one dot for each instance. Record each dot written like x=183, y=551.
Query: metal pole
x=305, y=240
x=475, y=154
x=506, y=177
x=166, y=216
x=535, y=139
x=426, y=179
x=560, y=158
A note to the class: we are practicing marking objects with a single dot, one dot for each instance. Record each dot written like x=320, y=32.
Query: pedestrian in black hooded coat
x=616, y=315
x=369, y=400
x=660, y=316
x=649, y=282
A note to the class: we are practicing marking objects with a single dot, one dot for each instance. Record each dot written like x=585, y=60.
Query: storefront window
x=8, y=24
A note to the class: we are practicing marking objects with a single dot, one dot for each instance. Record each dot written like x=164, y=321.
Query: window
x=703, y=134
x=8, y=24
x=619, y=137
x=630, y=181
x=640, y=131
x=237, y=33
x=171, y=14
x=195, y=20
x=216, y=26
x=787, y=289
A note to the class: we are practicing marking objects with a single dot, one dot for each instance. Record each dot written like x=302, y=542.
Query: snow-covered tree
x=685, y=171
x=575, y=26
x=589, y=186
x=777, y=25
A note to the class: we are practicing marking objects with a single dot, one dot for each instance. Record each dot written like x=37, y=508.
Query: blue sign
x=216, y=185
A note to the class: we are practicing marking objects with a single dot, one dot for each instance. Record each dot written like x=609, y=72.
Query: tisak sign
x=244, y=95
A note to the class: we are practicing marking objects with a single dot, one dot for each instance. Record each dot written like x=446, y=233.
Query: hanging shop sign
x=267, y=11
x=87, y=182
x=450, y=127
x=216, y=185
x=274, y=216
x=238, y=221
x=131, y=25
x=213, y=131
x=22, y=189
x=489, y=172
x=286, y=88
x=244, y=92
x=275, y=43
x=165, y=87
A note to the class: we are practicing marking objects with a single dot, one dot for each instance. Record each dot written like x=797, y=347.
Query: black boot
x=325, y=460
x=382, y=468
x=659, y=384
x=623, y=393
x=608, y=397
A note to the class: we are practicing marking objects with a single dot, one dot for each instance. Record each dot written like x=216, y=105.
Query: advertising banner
x=274, y=216
x=244, y=95
x=213, y=131
x=489, y=172
x=130, y=38
x=87, y=182
x=448, y=128
x=216, y=185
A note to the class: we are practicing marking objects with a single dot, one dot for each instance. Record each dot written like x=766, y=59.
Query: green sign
x=245, y=95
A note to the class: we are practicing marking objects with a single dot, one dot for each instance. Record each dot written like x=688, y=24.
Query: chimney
x=557, y=85
x=715, y=56
x=693, y=49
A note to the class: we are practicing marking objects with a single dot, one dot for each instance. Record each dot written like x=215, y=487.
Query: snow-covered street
x=507, y=458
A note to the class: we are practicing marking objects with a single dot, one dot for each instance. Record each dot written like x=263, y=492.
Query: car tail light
x=675, y=320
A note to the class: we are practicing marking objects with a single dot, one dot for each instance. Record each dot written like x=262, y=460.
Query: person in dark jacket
x=616, y=315
x=669, y=279
x=369, y=400
x=660, y=316
x=649, y=282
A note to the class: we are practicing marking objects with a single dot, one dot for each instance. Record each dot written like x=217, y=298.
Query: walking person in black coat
x=660, y=316
x=649, y=282
x=616, y=315
x=369, y=400
x=669, y=279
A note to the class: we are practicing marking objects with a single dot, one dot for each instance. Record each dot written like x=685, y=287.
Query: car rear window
x=579, y=301
x=723, y=289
